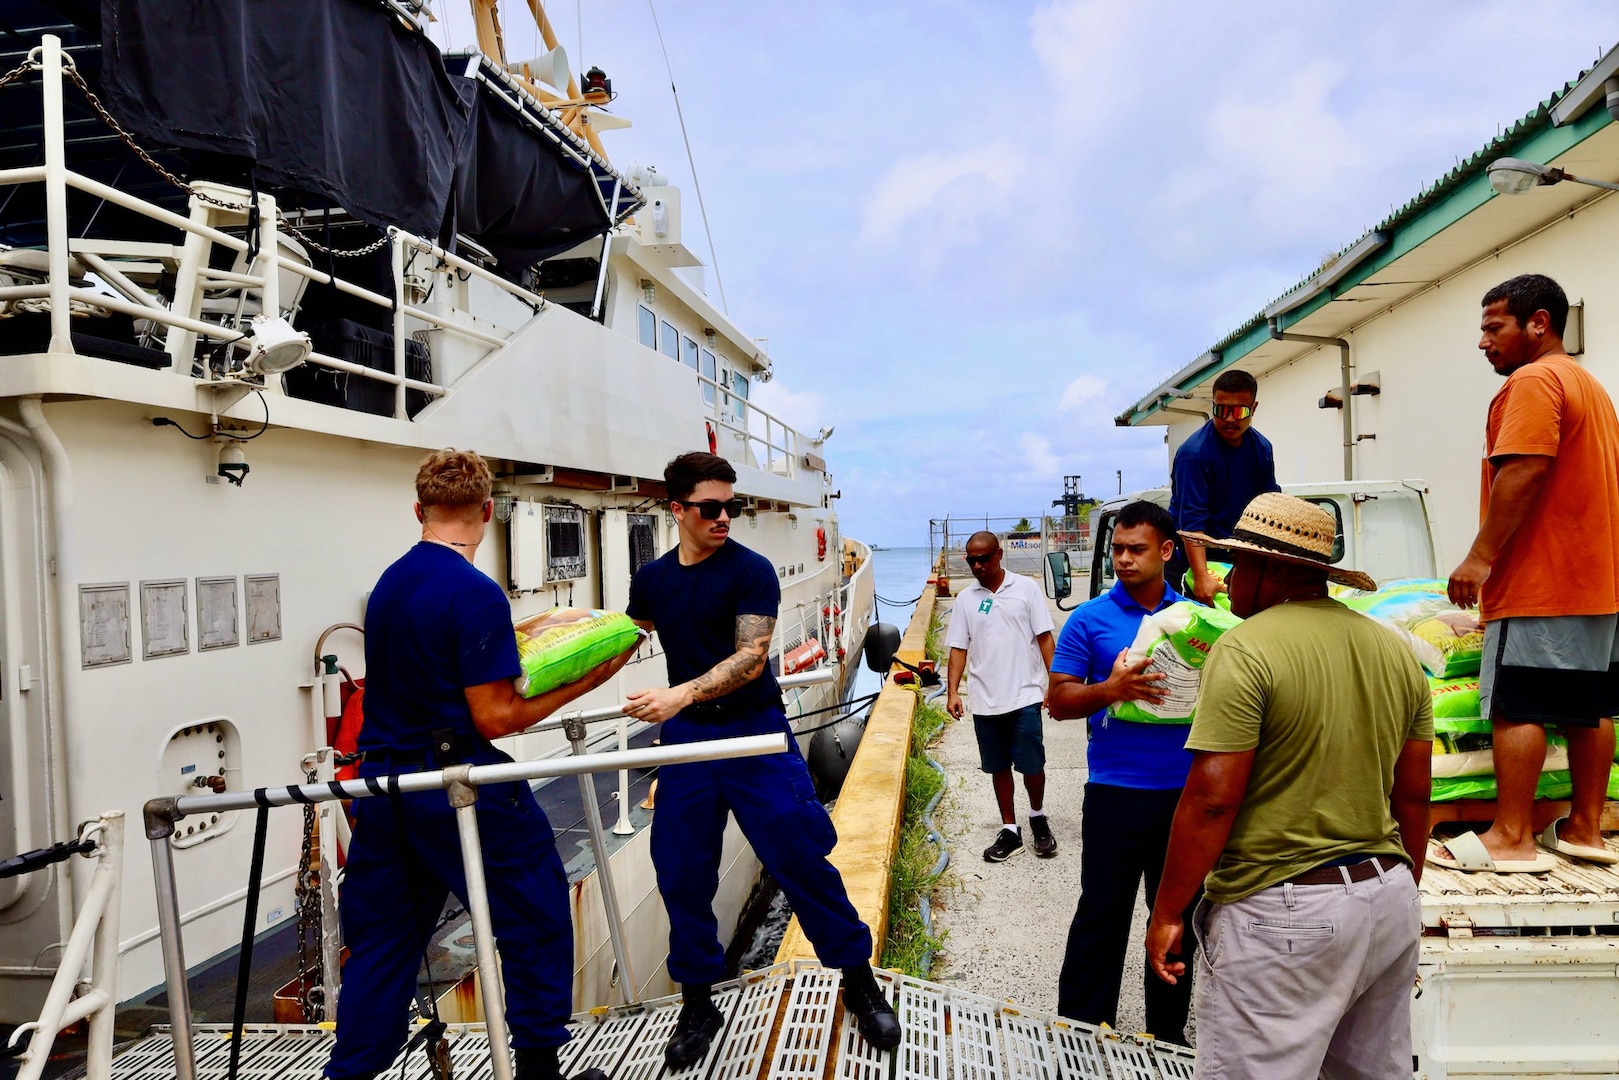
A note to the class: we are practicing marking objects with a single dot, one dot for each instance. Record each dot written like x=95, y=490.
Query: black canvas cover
x=520, y=195
x=335, y=97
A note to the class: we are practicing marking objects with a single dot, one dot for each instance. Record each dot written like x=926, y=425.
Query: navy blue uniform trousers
x=1123, y=835
x=775, y=806
x=403, y=863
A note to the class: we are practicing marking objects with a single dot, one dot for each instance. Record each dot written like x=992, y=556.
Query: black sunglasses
x=981, y=560
x=710, y=508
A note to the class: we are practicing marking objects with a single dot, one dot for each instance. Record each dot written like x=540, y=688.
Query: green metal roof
x=1436, y=207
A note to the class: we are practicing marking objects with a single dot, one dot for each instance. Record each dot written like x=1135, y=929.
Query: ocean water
x=899, y=575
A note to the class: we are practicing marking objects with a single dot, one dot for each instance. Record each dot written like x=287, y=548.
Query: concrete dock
x=1007, y=923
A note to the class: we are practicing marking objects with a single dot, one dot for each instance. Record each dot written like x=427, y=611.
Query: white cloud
x=1037, y=451
x=943, y=196
x=801, y=409
x=1082, y=394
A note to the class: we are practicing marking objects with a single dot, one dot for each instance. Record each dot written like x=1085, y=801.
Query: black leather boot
x=540, y=1063
x=699, y=1022
x=872, y=1013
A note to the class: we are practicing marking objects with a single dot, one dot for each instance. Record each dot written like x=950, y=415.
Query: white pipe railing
x=461, y=783
x=94, y=939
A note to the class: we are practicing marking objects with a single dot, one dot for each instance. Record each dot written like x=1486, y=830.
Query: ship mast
x=572, y=105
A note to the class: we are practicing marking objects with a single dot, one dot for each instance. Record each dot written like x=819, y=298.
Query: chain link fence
x=1025, y=541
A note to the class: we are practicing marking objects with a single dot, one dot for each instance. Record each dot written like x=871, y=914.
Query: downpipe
x=1344, y=380
x=59, y=482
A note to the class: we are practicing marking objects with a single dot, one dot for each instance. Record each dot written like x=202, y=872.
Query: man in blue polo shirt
x=1136, y=772
x=1217, y=472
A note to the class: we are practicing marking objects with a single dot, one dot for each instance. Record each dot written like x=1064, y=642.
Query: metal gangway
x=781, y=1023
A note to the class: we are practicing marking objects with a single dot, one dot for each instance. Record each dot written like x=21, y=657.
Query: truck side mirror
x=881, y=646
x=1059, y=578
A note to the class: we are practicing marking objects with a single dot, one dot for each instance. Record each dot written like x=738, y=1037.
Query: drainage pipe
x=59, y=481
x=1344, y=378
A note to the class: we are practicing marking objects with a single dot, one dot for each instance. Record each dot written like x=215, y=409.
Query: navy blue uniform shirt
x=695, y=608
x=1120, y=753
x=1212, y=483
x=434, y=625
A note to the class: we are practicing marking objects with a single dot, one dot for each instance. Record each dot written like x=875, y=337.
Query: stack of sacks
x=1449, y=643
x=1175, y=642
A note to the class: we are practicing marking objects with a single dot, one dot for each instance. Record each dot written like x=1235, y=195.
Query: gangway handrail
x=461, y=782
x=94, y=938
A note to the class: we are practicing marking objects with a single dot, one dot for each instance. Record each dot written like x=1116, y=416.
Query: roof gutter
x=1600, y=84
x=1345, y=389
x=1327, y=278
x=1170, y=389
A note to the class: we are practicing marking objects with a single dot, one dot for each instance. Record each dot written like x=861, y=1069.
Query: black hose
x=250, y=918
x=29, y=861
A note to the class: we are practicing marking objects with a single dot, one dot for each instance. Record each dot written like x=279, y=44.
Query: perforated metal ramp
x=784, y=1023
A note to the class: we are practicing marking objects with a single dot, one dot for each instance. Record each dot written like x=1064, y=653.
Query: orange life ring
x=820, y=542
x=713, y=440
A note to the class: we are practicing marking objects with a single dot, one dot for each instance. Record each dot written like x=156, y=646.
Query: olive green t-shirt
x=1328, y=698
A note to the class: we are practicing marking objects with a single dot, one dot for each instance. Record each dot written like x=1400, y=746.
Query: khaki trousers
x=1300, y=981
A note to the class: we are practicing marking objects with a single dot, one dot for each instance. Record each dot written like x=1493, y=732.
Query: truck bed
x=1575, y=894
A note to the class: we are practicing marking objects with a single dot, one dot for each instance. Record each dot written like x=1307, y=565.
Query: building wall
x=1429, y=418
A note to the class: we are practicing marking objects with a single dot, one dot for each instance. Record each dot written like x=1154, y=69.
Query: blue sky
x=974, y=232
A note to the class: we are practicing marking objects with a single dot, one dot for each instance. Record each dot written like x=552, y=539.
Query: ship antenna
x=713, y=256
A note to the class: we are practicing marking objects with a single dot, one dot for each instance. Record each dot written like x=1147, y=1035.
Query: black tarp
x=335, y=97
x=518, y=194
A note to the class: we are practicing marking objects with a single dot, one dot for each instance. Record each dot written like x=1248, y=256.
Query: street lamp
x=1513, y=176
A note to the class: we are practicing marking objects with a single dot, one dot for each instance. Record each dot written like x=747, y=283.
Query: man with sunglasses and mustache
x=1217, y=472
x=713, y=603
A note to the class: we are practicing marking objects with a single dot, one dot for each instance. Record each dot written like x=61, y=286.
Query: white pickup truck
x=1519, y=974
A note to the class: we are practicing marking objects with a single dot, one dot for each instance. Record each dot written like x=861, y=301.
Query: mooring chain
x=71, y=70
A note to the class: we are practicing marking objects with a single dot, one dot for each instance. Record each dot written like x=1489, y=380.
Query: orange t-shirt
x=1564, y=558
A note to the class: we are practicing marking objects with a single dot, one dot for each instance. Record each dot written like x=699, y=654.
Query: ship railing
x=461, y=784
x=262, y=256
x=745, y=433
x=72, y=998
x=571, y=723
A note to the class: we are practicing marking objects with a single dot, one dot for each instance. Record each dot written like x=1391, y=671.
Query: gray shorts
x=1560, y=669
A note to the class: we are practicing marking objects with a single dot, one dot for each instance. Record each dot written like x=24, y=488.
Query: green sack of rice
x=1552, y=785
x=562, y=645
x=1463, y=747
x=1221, y=571
x=1174, y=642
x=1459, y=638
x=1454, y=697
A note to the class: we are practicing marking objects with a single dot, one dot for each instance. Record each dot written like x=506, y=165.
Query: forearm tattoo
x=753, y=634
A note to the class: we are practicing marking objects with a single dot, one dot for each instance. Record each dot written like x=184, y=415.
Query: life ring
x=803, y=657
x=713, y=440
x=820, y=542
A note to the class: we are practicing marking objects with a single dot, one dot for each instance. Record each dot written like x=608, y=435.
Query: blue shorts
x=1013, y=740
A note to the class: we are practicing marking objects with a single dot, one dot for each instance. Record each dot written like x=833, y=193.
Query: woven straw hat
x=1282, y=527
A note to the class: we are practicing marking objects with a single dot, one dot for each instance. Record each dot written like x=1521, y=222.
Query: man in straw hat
x=1306, y=810
x=1544, y=569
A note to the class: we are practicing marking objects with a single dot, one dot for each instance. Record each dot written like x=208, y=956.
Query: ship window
x=669, y=342
x=739, y=382
x=708, y=372
x=643, y=530
x=688, y=352
x=564, y=543
x=648, y=326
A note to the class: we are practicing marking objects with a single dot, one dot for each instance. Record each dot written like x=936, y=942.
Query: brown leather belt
x=1334, y=875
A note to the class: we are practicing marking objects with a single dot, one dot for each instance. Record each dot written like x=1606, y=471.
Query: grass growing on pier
x=909, y=944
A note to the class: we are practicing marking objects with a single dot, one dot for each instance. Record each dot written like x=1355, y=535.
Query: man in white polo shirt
x=1003, y=621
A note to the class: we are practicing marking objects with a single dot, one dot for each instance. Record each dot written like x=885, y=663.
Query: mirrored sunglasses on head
x=710, y=508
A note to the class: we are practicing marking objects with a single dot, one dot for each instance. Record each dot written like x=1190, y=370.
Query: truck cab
x=1385, y=528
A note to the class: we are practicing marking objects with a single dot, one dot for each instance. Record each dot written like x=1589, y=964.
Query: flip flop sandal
x=1469, y=855
x=1552, y=842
